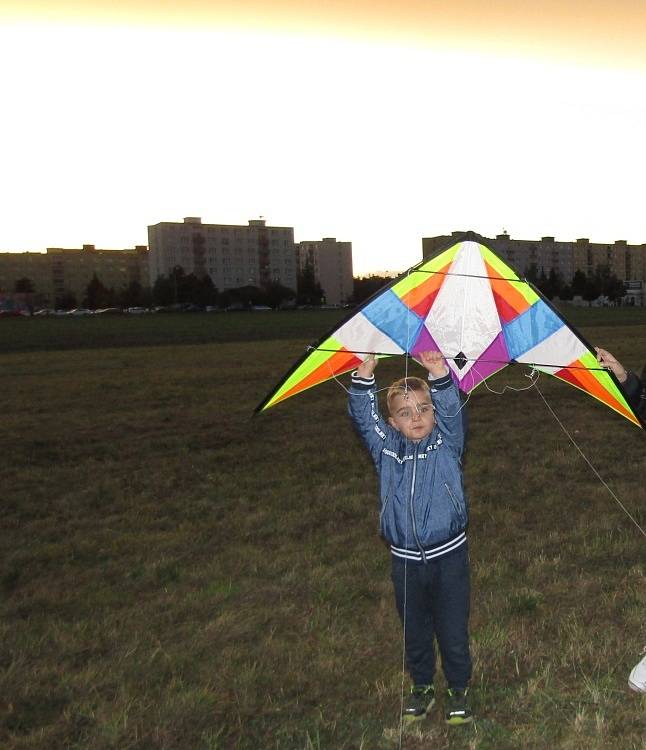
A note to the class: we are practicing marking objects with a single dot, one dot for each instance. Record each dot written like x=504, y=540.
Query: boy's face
x=412, y=414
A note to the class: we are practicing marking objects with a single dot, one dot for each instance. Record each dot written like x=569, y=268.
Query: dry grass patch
x=176, y=574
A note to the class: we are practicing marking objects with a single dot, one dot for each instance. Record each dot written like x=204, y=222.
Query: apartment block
x=62, y=271
x=331, y=262
x=626, y=262
x=36, y=267
x=232, y=255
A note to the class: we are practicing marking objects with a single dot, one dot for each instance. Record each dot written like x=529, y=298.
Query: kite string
x=403, y=677
x=533, y=375
x=589, y=463
x=407, y=339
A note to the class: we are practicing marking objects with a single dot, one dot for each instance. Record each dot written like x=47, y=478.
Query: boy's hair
x=399, y=387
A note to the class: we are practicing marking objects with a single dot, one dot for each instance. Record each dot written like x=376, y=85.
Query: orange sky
x=592, y=31
x=376, y=122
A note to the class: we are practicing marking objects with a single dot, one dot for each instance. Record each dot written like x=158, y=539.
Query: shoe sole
x=411, y=718
x=456, y=721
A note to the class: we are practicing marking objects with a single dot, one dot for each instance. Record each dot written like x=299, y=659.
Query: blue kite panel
x=529, y=329
x=391, y=316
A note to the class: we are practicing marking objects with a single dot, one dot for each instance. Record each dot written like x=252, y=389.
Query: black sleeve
x=635, y=390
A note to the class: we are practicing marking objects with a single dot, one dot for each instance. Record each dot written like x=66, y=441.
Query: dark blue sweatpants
x=437, y=606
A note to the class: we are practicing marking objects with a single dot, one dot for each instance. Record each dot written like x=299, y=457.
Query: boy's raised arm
x=364, y=408
x=446, y=399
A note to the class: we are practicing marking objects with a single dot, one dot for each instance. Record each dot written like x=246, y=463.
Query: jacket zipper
x=455, y=504
x=385, y=505
x=412, y=514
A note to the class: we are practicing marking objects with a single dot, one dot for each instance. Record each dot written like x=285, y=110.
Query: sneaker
x=637, y=679
x=458, y=710
x=420, y=701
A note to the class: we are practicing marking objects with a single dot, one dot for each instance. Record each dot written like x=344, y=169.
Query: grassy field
x=165, y=329
x=176, y=574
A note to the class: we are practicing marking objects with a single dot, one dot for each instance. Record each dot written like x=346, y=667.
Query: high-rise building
x=233, y=256
x=331, y=262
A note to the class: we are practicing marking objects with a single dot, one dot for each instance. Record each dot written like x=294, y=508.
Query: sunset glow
x=367, y=127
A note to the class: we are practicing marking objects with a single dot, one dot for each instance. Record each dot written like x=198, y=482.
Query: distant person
x=635, y=389
x=418, y=456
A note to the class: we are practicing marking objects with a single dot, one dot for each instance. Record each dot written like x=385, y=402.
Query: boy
x=424, y=513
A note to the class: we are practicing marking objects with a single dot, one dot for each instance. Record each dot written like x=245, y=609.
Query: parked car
x=14, y=314
x=79, y=312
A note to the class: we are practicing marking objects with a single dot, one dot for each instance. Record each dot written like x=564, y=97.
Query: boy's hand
x=367, y=367
x=434, y=362
x=605, y=359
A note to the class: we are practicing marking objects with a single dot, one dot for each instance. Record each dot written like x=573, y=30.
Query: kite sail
x=474, y=308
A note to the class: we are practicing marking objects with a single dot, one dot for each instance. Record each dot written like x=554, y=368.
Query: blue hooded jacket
x=424, y=510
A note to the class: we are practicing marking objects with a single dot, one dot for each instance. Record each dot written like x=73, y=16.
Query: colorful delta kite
x=474, y=308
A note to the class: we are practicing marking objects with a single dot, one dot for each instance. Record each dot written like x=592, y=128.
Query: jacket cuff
x=444, y=381
x=364, y=383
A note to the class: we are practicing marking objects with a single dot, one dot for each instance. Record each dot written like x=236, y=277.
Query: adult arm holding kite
x=634, y=387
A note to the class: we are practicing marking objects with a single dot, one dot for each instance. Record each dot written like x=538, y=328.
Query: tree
x=97, y=295
x=551, y=285
x=66, y=301
x=275, y=294
x=133, y=295
x=531, y=273
x=614, y=289
x=566, y=292
x=164, y=291
x=365, y=286
x=205, y=293
x=609, y=284
x=592, y=288
x=308, y=290
x=24, y=286
x=168, y=290
x=190, y=289
x=248, y=295
x=578, y=283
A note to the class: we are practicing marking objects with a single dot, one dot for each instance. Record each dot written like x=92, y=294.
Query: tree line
x=181, y=289
x=601, y=282
x=587, y=286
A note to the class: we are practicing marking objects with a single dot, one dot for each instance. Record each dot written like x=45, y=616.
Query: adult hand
x=606, y=359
